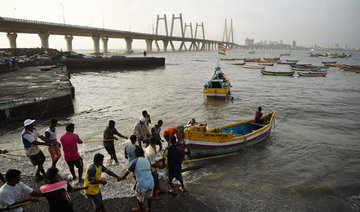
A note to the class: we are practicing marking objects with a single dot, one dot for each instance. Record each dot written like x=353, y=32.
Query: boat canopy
x=218, y=80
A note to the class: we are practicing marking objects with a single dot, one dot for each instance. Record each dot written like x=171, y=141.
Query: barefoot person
x=145, y=181
x=69, y=141
x=130, y=149
x=29, y=138
x=11, y=193
x=57, y=192
x=150, y=154
x=155, y=132
x=173, y=157
x=54, y=148
x=109, y=138
x=147, y=118
x=141, y=131
x=170, y=131
x=93, y=181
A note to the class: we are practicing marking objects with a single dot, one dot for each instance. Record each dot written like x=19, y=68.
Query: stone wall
x=78, y=64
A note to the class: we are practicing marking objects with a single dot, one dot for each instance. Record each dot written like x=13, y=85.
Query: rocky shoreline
x=33, y=51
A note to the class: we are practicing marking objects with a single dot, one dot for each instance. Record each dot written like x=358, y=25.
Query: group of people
x=10, y=64
x=141, y=154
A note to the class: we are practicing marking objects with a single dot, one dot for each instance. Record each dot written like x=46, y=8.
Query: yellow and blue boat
x=226, y=139
x=218, y=86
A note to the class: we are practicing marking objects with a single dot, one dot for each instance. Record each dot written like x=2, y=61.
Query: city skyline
x=312, y=23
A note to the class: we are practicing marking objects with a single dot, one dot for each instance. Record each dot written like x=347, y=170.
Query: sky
x=308, y=22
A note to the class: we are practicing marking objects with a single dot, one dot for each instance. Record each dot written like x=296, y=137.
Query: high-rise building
x=293, y=44
x=249, y=42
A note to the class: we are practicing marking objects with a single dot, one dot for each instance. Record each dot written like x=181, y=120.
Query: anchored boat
x=254, y=66
x=218, y=86
x=277, y=73
x=313, y=74
x=226, y=139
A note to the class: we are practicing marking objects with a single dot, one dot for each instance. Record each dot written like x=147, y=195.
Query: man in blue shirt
x=145, y=181
x=130, y=149
x=173, y=158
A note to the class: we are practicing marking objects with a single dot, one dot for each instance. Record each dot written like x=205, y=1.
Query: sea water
x=309, y=163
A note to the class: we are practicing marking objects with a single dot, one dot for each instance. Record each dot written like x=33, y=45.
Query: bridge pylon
x=197, y=45
x=166, y=31
x=192, y=36
x=228, y=36
x=172, y=29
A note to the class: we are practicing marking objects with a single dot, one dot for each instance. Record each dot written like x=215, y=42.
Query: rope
x=89, y=141
x=42, y=198
x=212, y=157
x=285, y=117
x=27, y=202
x=247, y=106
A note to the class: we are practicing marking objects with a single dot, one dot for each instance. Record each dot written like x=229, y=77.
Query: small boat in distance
x=272, y=58
x=238, y=64
x=312, y=74
x=305, y=69
x=218, y=86
x=277, y=73
x=230, y=138
x=301, y=65
x=227, y=59
x=292, y=61
x=330, y=62
x=252, y=59
x=286, y=63
x=254, y=66
x=266, y=64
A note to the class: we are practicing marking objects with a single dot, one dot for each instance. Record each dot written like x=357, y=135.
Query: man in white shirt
x=150, y=154
x=141, y=131
x=29, y=138
x=12, y=191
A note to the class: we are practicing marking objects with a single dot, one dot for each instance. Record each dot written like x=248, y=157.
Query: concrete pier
x=129, y=45
x=69, y=39
x=105, y=44
x=96, y=64
x=96, y=40
x=44, y=37
x=149, y=45
x=32, y=93
x=12, y=39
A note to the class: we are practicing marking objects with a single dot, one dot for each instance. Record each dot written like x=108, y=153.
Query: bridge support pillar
x=129, y=45
x=105, y=44
x=149, y=45
x=12, y=39
x=96, y=40
x=69, y=39
x=44, y=37
x=166, y=42
x=157, y=45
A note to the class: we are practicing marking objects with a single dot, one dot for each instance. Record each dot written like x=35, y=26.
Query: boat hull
x=312, y=74
x=216, y=92
x=263, y=72
x=200, y=149
x=253, y=67
x=214, y=143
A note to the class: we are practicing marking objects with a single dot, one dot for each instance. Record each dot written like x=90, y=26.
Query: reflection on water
x=310, y=163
